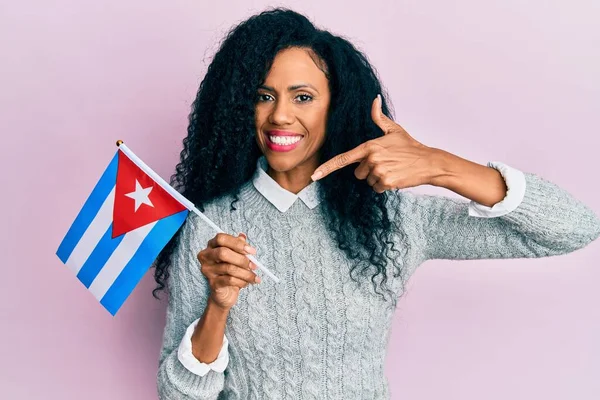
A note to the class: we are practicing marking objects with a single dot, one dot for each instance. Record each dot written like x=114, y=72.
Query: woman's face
x=291, y=112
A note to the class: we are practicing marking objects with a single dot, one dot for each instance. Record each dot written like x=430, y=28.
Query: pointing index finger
x=340, y=161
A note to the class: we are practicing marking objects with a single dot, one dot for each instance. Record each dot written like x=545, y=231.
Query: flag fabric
x=124, y=224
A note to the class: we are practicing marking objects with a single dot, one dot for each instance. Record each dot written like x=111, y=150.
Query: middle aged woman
x=283, y=101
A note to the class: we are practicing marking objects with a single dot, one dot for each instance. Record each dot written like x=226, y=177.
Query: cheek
x=319, y=123
x=261, y=113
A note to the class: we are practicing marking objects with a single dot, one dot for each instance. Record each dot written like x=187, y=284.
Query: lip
x=280, y=147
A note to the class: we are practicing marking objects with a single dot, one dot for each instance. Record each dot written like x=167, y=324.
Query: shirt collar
x=281, y=198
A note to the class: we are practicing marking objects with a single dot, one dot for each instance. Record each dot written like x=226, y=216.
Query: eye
x=304, y=98
x=264, y=97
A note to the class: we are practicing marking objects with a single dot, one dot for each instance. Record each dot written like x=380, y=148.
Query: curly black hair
x=220, y=151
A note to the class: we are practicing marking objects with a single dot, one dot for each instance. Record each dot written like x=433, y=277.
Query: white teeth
x=285, y=140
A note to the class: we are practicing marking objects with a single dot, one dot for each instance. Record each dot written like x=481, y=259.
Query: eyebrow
x=291, y=88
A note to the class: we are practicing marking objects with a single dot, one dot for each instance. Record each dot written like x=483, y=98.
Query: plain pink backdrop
x=502, y=80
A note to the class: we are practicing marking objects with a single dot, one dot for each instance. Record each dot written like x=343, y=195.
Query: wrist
x=209, y=331
x=215, y=307
x=442, y=171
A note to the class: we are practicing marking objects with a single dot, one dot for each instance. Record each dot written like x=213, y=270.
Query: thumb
x=379, y=117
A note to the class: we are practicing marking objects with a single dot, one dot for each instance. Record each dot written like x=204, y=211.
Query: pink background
x=499, y=80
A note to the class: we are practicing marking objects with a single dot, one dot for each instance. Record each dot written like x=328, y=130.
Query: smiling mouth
x=284, y=140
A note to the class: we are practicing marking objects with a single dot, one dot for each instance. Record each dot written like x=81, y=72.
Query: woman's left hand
x=394, y=161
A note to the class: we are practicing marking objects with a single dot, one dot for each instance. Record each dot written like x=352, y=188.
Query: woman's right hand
x=224, y=263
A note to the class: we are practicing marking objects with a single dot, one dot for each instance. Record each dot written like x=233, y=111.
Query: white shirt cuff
x=515, y=183
x=191, y=363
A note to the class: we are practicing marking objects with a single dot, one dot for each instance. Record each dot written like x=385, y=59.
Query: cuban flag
x=126, y=221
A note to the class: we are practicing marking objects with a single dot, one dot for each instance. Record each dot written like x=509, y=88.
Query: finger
x=363, y=169
x=245, y=238
x=236, y=271
x=236, y=244
x=372, y=179
x=379, y=117
x=212, y=270
x=340, y=161
x=228, y=280
x=379, y=188
x=226, y=255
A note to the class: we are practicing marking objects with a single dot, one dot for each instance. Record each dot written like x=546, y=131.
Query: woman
x=282, y=112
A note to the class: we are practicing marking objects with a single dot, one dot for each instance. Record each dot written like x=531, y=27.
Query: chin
x=281, y=163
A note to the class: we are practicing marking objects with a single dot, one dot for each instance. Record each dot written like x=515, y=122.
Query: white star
x=140, y=195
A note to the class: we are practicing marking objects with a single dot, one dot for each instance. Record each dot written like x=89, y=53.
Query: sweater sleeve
x=515, y=184
x=188, y=294
x=548, y=221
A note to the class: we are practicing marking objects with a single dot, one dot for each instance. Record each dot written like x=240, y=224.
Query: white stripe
x=119, y=259
x=91, y=237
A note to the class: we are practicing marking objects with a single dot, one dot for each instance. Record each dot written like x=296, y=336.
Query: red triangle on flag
x=139, y=200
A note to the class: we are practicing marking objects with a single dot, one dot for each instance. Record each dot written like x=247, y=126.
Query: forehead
x=295, y=64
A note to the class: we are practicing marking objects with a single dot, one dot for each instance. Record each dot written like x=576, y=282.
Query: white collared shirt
x=283, y=199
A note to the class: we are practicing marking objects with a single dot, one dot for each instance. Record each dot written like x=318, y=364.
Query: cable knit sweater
x=318, y=334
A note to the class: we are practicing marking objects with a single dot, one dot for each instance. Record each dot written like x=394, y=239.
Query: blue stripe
x=89, y=210
x=104, y=249
x=158, y=237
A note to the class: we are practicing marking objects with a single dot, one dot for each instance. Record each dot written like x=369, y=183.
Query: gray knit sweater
x=317, y=334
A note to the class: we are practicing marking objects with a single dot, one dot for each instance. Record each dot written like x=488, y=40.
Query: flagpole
x=185, y=202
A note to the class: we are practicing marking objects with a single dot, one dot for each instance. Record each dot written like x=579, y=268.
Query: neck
x=292, y=181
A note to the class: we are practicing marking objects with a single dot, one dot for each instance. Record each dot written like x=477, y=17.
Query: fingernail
x=249, y=249
x=257, y=279
x=316, y=175
x=380, y=102
x=253, y=266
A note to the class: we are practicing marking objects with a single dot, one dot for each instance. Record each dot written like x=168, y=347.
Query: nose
x=281, y=114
